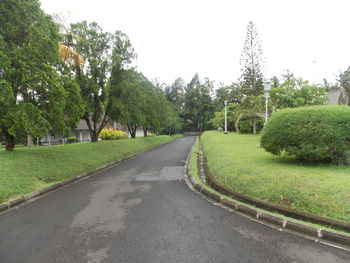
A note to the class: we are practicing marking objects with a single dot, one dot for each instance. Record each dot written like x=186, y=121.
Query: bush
x=149, y=134
x=316, y=133
x=72, y=139
x=245, y=125
x=113, y=134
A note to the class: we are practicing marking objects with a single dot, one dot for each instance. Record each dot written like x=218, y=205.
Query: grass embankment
x=29, y=169
x=238, y=162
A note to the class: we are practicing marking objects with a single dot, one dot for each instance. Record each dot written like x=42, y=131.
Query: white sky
x=177, y=38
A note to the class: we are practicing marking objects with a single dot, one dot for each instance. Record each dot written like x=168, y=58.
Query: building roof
x=82, y=125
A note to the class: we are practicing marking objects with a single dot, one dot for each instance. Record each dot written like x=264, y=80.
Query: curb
x=320, y=235
x=6, y=206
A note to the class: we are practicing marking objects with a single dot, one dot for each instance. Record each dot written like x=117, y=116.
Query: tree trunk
x=94, y=136
x=30, y=141
x=144, y=132
x=254, y=125
x=132, y=130
x=9, y=141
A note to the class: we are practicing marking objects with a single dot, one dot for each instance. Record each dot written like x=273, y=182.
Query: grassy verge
x=29, y=169
x=238, y=162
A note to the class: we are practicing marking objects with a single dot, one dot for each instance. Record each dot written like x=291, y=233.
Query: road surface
x=142, y=211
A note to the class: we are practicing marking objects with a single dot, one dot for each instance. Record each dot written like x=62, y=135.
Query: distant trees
x=139, y=103
x=198, y=107
x=301, y=93
x=290, y=92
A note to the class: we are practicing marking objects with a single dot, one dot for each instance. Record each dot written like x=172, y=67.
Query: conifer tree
x=251, y=82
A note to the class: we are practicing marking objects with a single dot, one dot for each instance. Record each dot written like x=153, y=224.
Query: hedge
x=316, y=133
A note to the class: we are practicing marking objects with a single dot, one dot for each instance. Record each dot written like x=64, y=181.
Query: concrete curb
x=4, y=207
x=327, y=237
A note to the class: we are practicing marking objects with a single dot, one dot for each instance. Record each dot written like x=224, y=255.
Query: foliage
x=316, y=133
x=149, y=134
x=198, y=105
x=295, y=92
x=35, y=95
x=72, y=139
x=251, y=84
x=245, y=124
x=105, y=54
x=175, y=93
x=113, y=134
x=138, y=102
x=174, y=123
x=320, y=189
x=345, y=85
x=232, y=115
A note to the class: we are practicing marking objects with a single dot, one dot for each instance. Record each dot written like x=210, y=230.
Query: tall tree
x=175, y=93
x=140, y=103
x=105, y=55
x=34, y=99
x=198, y=105
x=251, y=83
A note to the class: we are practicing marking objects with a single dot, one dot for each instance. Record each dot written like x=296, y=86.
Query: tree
x=296, y=92
x=34, y=97
x=198, y=107
x=251, y=83
x=105, y=55
x=67, y=45
x=175, y=93
x=345, y=85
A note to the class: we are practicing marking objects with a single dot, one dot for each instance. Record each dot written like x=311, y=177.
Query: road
x=142, y=211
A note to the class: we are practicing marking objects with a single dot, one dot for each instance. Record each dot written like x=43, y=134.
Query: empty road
x=142, y=211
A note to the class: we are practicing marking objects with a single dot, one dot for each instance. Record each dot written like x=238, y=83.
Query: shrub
x=316, y=133
x=149, y=134
x=72, y=139
x=245, y=125
x=113, y=134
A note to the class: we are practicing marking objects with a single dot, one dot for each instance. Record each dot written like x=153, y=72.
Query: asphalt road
x=142, y=211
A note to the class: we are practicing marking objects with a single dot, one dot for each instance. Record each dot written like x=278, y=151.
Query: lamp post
x=267, y=87
x=225, y=102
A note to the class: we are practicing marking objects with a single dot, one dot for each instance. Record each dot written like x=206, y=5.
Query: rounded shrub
x=317, y=133
x=113, y=134
x=72, y=139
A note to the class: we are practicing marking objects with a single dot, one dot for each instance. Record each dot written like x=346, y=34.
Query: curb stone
x=6, y=206
x=323, y=236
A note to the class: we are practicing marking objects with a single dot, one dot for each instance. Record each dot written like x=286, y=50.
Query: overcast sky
x=181, y=37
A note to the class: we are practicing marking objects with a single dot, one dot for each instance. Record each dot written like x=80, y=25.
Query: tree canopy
x=35, y=97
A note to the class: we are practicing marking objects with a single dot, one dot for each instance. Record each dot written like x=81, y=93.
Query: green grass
x=29, y=169
x=238, y=162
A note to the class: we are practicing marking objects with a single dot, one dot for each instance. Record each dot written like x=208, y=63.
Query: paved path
x=142, y=211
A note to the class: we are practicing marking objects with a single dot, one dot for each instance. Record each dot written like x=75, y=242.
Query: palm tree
x=66, y=47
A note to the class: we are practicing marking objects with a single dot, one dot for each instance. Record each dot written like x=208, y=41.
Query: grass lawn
x=29, y=169
x=238, y=162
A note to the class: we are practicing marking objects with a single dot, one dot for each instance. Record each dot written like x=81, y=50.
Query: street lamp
x=225, y=102
x=267, y=87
